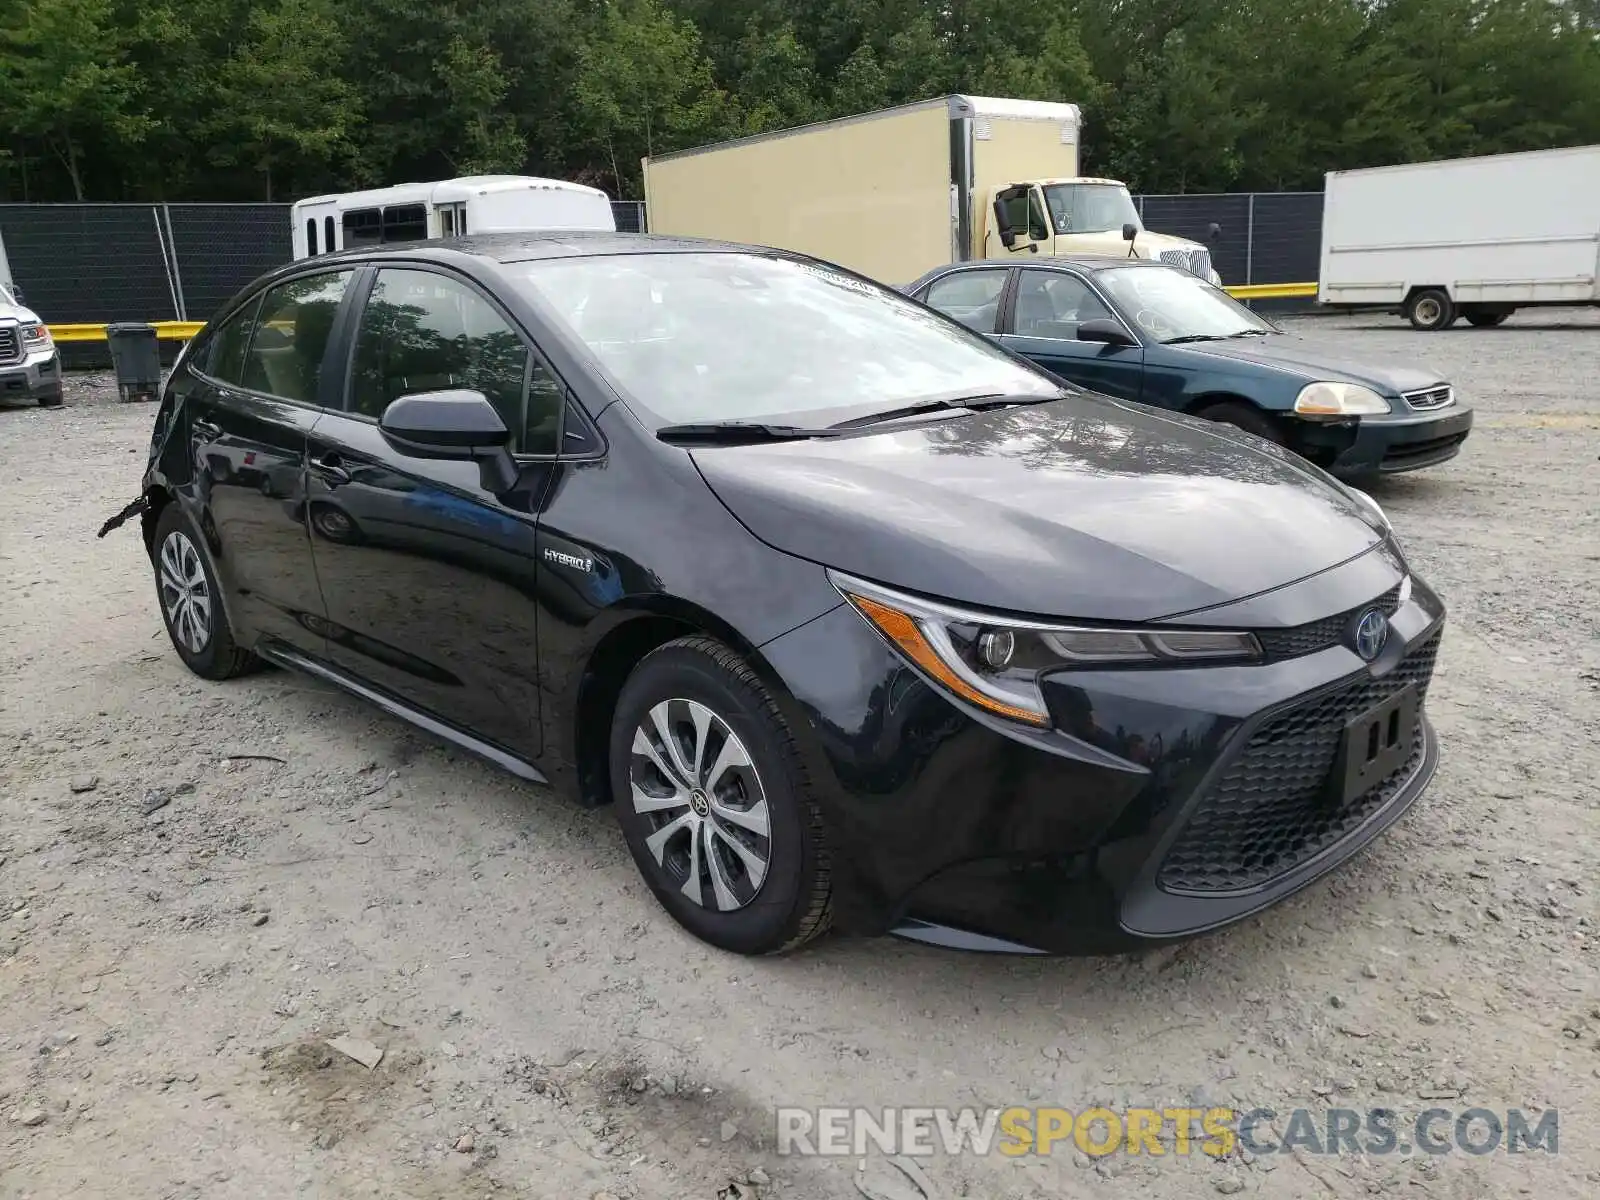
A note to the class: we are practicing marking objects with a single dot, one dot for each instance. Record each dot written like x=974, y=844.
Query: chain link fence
x=153, y=262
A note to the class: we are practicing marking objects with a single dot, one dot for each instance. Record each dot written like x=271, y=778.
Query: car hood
x=1083, y=508
x=1317, y=361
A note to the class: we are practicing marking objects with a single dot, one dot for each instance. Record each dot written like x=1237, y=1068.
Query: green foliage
x=252, y=99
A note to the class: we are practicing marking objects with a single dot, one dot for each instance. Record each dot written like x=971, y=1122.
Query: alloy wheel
x=692, y=778
x=185, y=593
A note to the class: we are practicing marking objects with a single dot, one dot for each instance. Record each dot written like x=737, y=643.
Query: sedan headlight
x=36, y=337
x=994, y=662
x=1338, y=400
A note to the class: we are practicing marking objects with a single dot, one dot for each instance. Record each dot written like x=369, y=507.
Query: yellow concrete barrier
x=177, y=331
x=1271, y=291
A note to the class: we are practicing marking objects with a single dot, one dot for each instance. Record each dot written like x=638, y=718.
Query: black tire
x=1246, y=417
x=791, y=904
x=1430, y=309
x=52, y=400
x=215, y=655
x=1487, y=319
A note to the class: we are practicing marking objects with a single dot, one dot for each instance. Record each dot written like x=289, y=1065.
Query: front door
x=1049, y=306
x=429, y=579
x=258, y=396
x=1019, y=223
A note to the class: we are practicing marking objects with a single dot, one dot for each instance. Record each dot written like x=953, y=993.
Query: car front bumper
x=1381, y=445
x=1165, y=803
x=36, y=376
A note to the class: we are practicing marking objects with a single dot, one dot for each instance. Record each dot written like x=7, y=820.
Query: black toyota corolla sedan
x=853, y=616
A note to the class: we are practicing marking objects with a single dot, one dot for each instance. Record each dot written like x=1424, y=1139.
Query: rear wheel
x=1483, y=318
x=1246, y=417
x=715, y=802
x=1429, y=309
x=191, y=603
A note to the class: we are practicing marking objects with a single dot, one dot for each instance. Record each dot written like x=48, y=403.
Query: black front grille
x=1319, y=635
x=10, y=343
x=1268, y=813
x=1416, y=452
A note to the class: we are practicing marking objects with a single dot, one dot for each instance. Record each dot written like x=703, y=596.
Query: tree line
x=156, y=100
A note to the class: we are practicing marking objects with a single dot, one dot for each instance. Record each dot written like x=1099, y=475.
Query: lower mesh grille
x=1268, y=813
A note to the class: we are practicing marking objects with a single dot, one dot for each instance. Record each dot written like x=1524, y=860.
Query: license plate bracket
x=1375, y=744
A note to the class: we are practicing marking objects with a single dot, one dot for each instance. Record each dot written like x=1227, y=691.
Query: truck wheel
x=1487, y=318
x=1429, y=309
x=51, y=399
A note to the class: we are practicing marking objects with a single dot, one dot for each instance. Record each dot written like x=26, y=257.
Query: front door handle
x=331, y=469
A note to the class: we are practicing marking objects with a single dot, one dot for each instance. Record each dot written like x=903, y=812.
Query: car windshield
x=1173, y=305
x=748, y=337
x=1091, y=207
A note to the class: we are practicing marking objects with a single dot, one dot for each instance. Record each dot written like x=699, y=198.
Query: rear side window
x=425, y=332
x=292, y=331
x=971, y=297
x=225, y=358
x=363, y=227
x=405, y=223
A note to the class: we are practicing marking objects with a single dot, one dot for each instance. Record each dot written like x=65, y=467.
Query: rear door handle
x=331, y=469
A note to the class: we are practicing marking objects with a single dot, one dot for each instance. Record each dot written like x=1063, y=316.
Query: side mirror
x=1105, y=331
x=458, y=424
x=1130, y=231
x=1212, y=230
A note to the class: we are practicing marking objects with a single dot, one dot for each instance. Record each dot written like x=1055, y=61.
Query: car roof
x=1081, y=262
x=536, y=244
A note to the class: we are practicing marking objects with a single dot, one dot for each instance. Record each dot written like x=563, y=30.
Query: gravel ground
x=309, y=868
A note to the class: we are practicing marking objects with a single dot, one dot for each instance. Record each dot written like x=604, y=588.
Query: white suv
x=30, y=366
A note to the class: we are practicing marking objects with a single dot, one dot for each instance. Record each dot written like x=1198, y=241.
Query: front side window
x=424, y=332
x=285, y=356
x=743, y=336
x=1091, y=208
x=1171, y=304
x=1052, y=304
x=971, y=297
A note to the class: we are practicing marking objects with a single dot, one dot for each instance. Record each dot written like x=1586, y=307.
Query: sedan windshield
x=1173, y=306
x=744, y=337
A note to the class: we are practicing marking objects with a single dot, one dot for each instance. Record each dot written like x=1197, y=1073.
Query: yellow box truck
x=894, y=193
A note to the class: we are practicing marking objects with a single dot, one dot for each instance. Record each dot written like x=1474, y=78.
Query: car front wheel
x=191, y=604
x=714, y=801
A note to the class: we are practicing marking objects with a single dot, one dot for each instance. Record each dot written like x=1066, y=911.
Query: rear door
x=261, y=387
x=973, y=297
x=429, y=578
x=1042, y=325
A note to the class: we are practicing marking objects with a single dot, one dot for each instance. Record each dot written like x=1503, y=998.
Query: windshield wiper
x=734, y=433
x=1197, y=337
x=979, y=403
x=1252, y=333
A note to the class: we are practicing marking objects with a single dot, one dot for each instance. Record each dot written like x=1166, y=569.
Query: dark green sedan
x=1152, y=333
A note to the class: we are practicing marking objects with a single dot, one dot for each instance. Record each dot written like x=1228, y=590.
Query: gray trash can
x=136, y=355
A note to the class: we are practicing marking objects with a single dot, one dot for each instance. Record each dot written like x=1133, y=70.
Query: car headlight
x=1338, y=400
x=994, y=662
x=1216, y=280
x=36, y=337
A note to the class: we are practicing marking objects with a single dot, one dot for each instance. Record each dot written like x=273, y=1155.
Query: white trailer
x=1472, y=237
x=413, y=212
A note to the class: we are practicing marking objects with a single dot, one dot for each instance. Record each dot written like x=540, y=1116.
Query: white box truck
x=1471, y=237
x=894, y=193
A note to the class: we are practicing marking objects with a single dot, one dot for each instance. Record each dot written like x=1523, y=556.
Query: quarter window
x=424, y=332
x=1052, y=304
x=971, y=297
x=291, y=338
x=225, y=360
